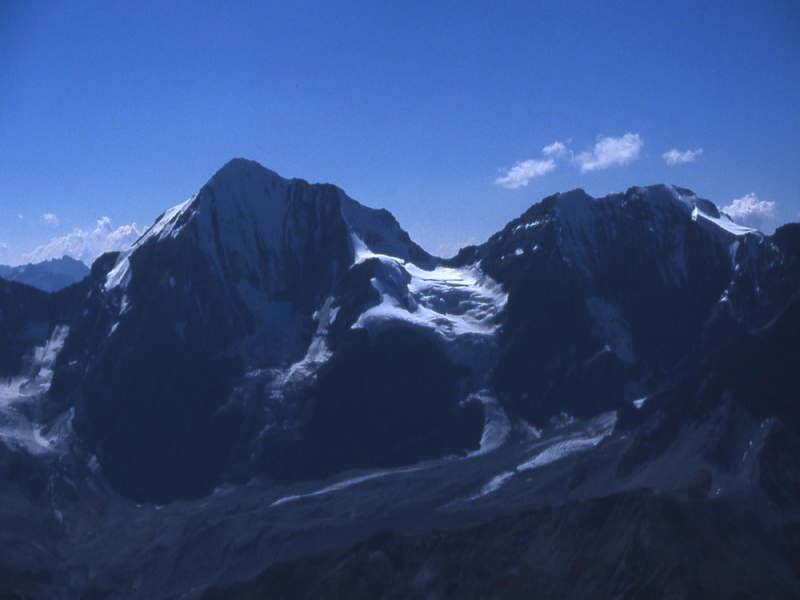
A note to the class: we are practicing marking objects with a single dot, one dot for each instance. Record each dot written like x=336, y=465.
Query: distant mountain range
x=273, y=369
x=50, y=275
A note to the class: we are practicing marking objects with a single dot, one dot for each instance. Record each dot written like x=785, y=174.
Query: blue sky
x=111, y=112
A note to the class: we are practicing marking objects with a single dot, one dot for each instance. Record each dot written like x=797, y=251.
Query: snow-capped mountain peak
x=579, y=224
x=248, y=220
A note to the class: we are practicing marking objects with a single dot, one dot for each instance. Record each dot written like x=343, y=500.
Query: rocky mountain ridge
x=49, y=275
x=275, y=345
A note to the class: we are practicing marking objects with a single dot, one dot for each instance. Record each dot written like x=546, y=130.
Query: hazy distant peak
x=49, y=275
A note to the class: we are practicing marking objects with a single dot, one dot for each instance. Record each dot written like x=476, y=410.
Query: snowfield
x=451, y=302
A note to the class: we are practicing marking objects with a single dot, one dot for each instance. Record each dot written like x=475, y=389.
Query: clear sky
x=111, y=112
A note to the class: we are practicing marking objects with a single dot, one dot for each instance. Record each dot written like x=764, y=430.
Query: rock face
x=736, y=413
x=740, y=411
x=25, y=315
x=618, y=546
x=610, y=299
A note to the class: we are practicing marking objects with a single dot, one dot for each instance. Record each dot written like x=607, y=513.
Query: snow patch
x=496, y=428
x=318, y=353
x=376, y=232
x=38, y=370
x=18, y=430
x=19, y=397
x=169, y=224
x=723, y=222
x=45, y=357
x=360, y=250
x=528, y=225
x=495, y=484
x=120, y=275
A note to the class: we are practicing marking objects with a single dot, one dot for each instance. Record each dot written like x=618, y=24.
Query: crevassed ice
x=451, y=301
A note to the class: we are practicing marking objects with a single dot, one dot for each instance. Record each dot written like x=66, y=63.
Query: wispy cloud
x=86, y=244
x=610, y=152
x=750, y=211
x=521, y=173
x=51, y=219
x=555, y=150
x=676, y=157
x=607, y=152
x=3, y=248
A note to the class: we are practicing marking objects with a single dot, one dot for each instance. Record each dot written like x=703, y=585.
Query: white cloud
x=3, y=248
x=521, y=173
x=609, y=152
x=555, y=150
x=750, y=211
x=86, y=244
x=676, y=157
x=50, y=219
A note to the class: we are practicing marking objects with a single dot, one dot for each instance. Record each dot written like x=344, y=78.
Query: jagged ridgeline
x=271, y=344
x=49, y=275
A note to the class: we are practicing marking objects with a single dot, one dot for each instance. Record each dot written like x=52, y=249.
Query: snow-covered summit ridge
x=247, y=213
x=245, y=194
x=577, y=207
x=577, y=217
